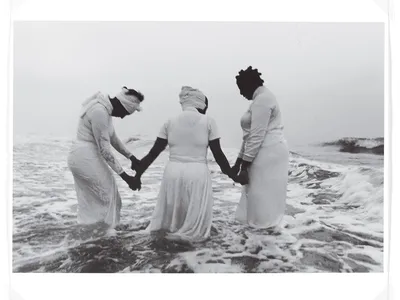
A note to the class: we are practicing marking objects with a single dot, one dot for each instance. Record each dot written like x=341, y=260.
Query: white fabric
x=263, y=200
x=97, y=127
x=96, y=98
x=90, y=160
x=95, y=186
x=262, y=124
x=129, y=102
x=184, y=205
x=188, y=135
x=190, y=97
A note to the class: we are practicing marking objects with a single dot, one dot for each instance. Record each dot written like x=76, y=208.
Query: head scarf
x=129, y=102
x=190, y=97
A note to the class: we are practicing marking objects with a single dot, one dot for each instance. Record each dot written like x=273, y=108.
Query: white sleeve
x=213, y=133
x=241, y=152
x=260, y=115
x=100, y=128
x=164, y=131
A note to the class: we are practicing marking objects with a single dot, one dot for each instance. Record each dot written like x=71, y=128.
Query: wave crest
x=359, y=145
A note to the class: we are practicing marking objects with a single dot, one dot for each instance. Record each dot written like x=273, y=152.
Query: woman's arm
x=220, y=157
x=99, y=121
x=100, y=128
x=215, y=146
x=239, y=160
x=159, y=146
x=260, y=115
x=120, y=147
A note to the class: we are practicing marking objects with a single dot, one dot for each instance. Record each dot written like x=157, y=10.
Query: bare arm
x=159, y=146
x=220, y=157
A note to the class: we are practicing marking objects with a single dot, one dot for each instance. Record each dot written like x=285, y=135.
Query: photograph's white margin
x=223, y=286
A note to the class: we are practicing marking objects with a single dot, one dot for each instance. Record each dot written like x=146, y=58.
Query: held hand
x=235, y=170
x=236, y=167
x=243, y=177
x=135, y=163
x=137, y=183
x=134, y=183
x=231, y=173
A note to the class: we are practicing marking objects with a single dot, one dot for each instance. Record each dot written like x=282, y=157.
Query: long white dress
x=185, y=200
x=263, y=200
x=90, y=160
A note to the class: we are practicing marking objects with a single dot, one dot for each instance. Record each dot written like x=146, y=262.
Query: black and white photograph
x=198, y=147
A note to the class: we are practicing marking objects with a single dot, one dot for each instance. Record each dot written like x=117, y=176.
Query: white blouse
x=261, y=124
x=97, y=127
x=188, y=136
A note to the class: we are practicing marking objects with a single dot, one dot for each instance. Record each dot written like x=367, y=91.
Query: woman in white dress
x=91, y=157
x=263, y=160
x=184, y=206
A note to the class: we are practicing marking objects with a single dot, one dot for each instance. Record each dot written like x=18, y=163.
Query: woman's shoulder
x=210, y=121
x=265, y=94
x=209, y=118
x=266, y=97
x=167, y=121
x=98, y=111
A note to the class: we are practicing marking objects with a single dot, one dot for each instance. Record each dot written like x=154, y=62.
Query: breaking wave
x=359, y=145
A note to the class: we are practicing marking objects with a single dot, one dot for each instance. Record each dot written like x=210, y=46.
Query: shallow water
x=333, y=221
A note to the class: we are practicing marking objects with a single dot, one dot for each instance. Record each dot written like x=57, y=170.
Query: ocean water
x=333, y=221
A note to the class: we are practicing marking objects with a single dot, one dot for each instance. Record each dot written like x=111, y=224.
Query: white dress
x=185, y=200
x=263, y=200
x=90, y=160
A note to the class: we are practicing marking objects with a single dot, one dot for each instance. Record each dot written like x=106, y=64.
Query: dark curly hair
x=249, y=78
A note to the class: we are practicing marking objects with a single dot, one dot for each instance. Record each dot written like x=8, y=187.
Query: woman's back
x=188, y=136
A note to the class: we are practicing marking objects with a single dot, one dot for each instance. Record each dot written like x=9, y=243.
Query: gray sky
x=328, y=78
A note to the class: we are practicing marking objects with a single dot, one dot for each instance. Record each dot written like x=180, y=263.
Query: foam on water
x=333, y=222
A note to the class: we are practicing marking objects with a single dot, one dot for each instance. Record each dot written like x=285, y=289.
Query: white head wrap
x=129, y=102
x=190, y=97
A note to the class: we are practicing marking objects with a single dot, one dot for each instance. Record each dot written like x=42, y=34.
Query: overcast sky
x=328, y=78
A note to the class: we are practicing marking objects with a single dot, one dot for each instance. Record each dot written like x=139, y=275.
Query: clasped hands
x=134, y=182
x=239, y=172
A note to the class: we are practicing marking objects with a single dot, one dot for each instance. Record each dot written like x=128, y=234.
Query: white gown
x=185, y=200
x=263, y=200
x=90, y=160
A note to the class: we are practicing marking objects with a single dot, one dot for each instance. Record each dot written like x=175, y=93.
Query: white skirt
x=95, y=186
x=184, y=205
x=263, y=200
